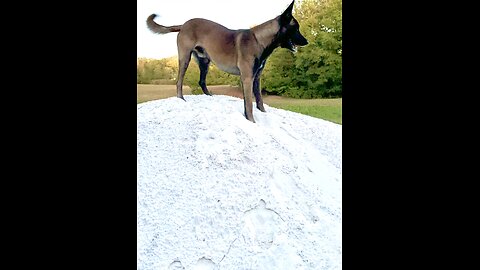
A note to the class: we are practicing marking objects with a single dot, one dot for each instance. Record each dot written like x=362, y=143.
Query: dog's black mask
x=290, y=36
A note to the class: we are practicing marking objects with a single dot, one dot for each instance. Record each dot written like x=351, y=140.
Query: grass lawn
x=327, y=109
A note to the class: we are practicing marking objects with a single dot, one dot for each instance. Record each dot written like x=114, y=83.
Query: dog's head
x=290, y=36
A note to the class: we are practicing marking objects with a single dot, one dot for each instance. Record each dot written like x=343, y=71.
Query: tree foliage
x=149, y=70
x=316, y=69
x=165, y=71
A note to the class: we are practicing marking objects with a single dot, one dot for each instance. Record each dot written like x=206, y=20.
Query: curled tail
x=160, y=29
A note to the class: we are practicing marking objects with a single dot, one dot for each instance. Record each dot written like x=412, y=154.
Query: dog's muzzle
x=296, y=41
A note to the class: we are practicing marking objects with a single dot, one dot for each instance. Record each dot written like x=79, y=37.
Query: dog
x=240, y=52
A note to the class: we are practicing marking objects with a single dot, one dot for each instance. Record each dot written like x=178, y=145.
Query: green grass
x=327, y=109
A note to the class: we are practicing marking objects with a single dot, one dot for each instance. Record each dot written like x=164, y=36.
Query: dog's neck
x=266, y=34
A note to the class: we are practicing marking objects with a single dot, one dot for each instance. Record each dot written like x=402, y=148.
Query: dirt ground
x=146, y=92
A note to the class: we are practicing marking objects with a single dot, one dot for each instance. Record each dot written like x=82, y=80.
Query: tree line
x=315, y=71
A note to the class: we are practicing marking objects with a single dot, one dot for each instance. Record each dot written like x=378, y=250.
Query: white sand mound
x=216, y=191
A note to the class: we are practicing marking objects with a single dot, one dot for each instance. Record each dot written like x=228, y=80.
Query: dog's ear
x=287, y=16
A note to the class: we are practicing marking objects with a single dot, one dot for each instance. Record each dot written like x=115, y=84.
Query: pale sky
x=233, y=14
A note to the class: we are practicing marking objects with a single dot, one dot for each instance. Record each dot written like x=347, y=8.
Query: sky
x=216, y=191
x=233, y=14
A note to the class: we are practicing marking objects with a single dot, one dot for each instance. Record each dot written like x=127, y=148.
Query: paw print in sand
x=176, y=265
x=261, y=227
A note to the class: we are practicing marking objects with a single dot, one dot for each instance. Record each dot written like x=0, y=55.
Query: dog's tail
x=160, y=29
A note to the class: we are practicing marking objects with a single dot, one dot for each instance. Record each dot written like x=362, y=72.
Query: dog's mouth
x=295, y=41
x=292, y=47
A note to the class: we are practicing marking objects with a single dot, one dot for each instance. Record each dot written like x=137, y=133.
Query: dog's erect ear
x=287, y=16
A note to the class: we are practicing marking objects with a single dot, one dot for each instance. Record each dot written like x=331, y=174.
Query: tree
x=316, y=69
x=149, y=70
x=278, y=73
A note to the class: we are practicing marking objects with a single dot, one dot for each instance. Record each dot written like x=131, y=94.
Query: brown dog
x=241, y=52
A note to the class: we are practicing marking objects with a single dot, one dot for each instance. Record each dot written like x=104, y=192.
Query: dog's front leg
x=247, y=84
x=257, y=90
x=246, y=76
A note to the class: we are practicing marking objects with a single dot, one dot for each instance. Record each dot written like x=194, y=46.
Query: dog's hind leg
x=185, y=48
x=183, y=61
x=203, y=63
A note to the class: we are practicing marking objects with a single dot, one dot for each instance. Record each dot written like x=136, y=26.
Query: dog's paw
x=261, y=108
